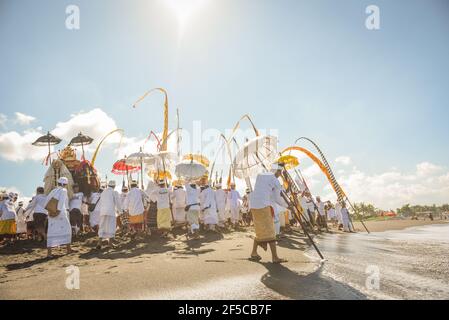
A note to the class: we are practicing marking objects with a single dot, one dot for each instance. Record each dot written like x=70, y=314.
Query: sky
x=375, y=101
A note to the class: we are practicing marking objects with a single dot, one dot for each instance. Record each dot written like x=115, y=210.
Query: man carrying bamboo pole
x=267, y=192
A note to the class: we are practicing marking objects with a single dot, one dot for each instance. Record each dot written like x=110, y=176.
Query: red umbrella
x=121, y=168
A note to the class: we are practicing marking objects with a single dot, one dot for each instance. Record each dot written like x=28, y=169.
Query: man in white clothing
x=109, y=205
x=209, y=207
x=134, y=206
x=322, y=221
x=193, y=208
x=234, y=205
x=346, y=220
x=37, y=209
x=220, y=197
x=178, y=199
x=59, y=229
x=267, y=192
x=76, y=217
x=161, y=195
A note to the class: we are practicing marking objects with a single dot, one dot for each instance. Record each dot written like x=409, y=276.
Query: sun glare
x=184, y=10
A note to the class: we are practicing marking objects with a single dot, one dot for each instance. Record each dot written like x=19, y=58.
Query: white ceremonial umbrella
x=255, y=156
x=190, y=170
x=138, y=159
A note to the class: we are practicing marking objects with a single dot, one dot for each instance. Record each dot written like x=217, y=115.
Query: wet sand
x=394, y=224
x=213, y=267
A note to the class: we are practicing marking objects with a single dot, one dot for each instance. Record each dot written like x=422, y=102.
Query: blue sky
x=306, y=68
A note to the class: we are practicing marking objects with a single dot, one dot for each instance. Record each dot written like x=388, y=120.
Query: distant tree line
x=407, y=210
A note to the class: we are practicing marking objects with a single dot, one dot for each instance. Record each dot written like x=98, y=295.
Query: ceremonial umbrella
x=289, y=161
x=81, y=140
x=137, y=159
x=198, y=158
x=190, y=170
x=121, y=168
x=47, y=140
x=255, y=156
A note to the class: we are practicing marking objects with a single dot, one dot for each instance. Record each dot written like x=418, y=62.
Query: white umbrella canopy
x=255, y=156
x=161, y=161
x=190, y=170
x=138, y=159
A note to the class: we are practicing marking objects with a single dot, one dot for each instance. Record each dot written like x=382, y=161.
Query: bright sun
x=184, y=9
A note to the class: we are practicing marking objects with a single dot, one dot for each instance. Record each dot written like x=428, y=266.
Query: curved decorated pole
x=165, y=131
x=225, y=143
x=231, y=137
x=341, y=195
x=152, y=134
x=237, y=125
x=102, y=140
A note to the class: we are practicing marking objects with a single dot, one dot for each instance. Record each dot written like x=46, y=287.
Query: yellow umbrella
x=198, y=158
x=289, y=161
x=160, y=175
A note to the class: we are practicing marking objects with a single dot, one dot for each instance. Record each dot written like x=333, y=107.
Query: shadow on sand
x=313, y=286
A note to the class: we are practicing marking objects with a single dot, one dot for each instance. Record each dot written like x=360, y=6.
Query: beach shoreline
x=213, y=267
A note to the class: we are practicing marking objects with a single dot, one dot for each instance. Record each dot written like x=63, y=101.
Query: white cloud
x=94, y=123
x=428, y=184
x=3, y=119
x=24, y=119
x=345, y=160
x=15, y=146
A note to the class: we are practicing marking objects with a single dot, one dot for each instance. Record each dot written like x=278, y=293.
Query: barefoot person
x=234, y=198
x=267, y=191
x=76, y=217
x=178, y=199
x=193, y=208
x=59, y=229
x=164, y=216
x=134, y=206
x=8, y=225
x=109, y=205
x=220, y=197
x=209, y=207
x=37, y=209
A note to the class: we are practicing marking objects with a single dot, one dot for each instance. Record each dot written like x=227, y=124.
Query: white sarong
x=59, y=231
x=108, y=226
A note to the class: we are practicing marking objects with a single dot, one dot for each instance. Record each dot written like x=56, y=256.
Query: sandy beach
x=215, y=267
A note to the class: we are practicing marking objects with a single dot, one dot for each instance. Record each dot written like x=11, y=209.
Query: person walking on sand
x=37, y=209
x=178, y=199
x=76, y=217
x=209, y=207
x=220, y=197
x=267, y=192
x=94, y=210
x=193, y=208
x=161, y=195
x=345, y=218
x=322, y=221
x=234, y=198
x=8, y=226
x=109, y=205
x=59, y=229
x=134, y=206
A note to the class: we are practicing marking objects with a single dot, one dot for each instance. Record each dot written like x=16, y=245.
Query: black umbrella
x=81, y=140
x=47, y=140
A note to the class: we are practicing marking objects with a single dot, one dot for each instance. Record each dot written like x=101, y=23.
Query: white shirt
x=61, y=195
x=38, y=204
x=134, y=202
x=178, y=198
x=94, y=197
x=233, y=199
x=208, y=199
x=76, y=201
x=192, y=196
x=267, y=190
x=320, y=206
x=109, y=202
x=220, y=197
x=162, y=197
x=7, y=211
